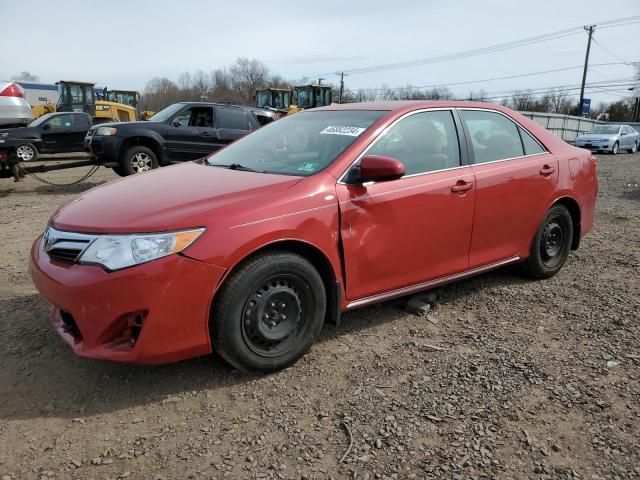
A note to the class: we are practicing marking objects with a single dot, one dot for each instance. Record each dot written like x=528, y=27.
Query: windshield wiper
x=234, y=166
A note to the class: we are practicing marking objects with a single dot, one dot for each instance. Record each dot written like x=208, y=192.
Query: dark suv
x=182, y=131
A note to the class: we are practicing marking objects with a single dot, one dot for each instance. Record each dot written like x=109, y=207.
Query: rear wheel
x=551, y=244
x=27, y=152
x=615, y=148
x=634, y=148
x=137, y=159
x=269, y=312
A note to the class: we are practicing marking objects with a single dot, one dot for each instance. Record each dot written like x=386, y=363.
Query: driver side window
x=59, y=121
x=423, y=142
x=194, y=117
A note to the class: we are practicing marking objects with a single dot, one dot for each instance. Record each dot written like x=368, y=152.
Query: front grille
x=65, y=246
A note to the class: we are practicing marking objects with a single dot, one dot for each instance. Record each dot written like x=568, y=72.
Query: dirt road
x=509, y=378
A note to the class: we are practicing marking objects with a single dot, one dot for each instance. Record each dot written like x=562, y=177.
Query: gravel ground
x=506, y=378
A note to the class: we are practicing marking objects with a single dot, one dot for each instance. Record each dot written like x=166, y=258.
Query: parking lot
x=507, y=378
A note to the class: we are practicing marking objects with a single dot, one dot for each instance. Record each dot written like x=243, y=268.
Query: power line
x=611, y=53
x=492, y=79
x=490, y=49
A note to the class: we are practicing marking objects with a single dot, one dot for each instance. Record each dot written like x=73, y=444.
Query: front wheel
x=27, y=152
x=615, y=148
x=137, y=159
x=551, y=244
x=269, y=312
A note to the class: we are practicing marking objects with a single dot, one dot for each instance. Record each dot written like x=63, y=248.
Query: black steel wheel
x=268, y=312
x=552, y=242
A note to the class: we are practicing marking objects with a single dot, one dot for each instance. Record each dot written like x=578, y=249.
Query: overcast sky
x=126, y=43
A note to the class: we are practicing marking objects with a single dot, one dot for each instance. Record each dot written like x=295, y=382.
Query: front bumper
x=94, y=311
x=595, y=146
x=106, y=148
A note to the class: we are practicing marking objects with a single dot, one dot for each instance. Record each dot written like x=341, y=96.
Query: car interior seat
x=501, y=146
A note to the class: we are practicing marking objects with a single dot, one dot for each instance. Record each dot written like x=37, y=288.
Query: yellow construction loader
x=281, y=100
x=75, y=96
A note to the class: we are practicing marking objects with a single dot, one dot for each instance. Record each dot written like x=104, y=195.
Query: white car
x=14, y=109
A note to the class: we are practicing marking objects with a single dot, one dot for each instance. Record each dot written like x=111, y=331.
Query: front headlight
x=120, y=251
x=106, y=131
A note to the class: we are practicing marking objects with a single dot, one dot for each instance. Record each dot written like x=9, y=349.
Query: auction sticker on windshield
x=343, y=130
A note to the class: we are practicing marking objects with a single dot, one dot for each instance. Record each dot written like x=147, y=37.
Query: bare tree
x=559, y=102
x=221, y=87
x=25, y=77
x=159, y=93
x=246, y=77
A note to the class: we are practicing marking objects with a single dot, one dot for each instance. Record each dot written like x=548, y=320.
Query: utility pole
x=589, y=29
x=342, y=74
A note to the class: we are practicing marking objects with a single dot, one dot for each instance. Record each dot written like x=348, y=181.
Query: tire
x=615, y=148
x=634, y=148
x=118, y=171
x=26, y=152
x=268, y=312
x=137, y=159
x=551, y=244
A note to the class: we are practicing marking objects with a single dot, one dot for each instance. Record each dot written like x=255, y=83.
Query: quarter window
x=423, y=142
x=493, y=136
x=531, y=146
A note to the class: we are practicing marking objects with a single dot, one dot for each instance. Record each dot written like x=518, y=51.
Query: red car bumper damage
x=156, y=312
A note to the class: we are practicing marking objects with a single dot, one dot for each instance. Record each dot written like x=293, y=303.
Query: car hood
x=596, y=136
x=19, y=132
x=171, y=198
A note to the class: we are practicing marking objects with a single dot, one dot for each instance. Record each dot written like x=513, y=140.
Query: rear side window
x=232, y=118
x=423, y=142
x=81, y=121
x=493, y=136
x=531, y=146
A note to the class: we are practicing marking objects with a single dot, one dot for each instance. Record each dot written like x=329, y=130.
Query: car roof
x=407, y=105
x=226, y=104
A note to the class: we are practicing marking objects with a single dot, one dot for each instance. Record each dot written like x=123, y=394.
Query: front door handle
x=547, y=170
x=461, y=186
x=205, y=134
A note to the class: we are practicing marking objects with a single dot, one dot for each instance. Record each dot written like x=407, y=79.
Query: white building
x=39, y=93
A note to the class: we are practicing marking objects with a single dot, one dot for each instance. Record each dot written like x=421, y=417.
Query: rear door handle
x=205, y=134
x=547, y=170
x=461, y=186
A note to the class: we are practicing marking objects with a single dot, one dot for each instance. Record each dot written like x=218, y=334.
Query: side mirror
x=380, y=168
x=46, y=126
x=623, y=133
x=176, y=123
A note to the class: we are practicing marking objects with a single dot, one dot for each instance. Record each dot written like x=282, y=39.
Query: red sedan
x=250, y=250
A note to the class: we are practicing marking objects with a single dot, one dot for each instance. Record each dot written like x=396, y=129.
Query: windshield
x=301, y=144
x=126, y=98
x=166, y=113
x=607, y=129
x=304, y=98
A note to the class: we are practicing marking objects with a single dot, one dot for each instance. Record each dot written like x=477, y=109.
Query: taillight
x=12, y=90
